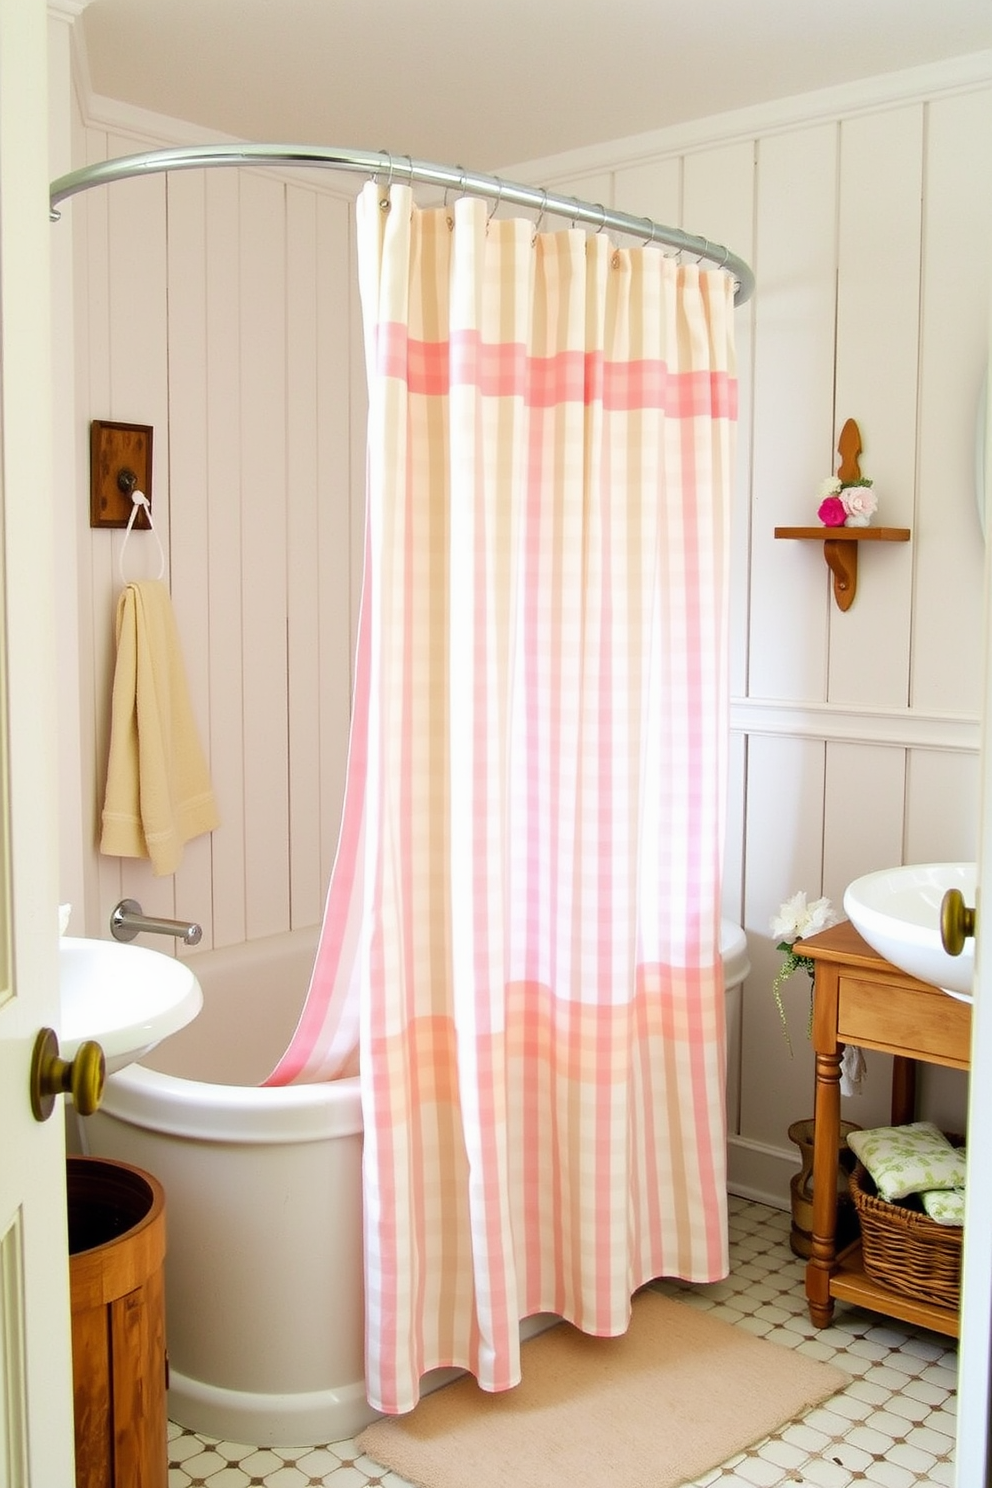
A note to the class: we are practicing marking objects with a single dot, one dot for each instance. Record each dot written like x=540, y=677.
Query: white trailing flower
x=797, y=920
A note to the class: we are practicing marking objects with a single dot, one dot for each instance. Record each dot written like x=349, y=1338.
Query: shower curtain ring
x=602, y=218
x=461, y=169
x=384, y=200
x=540, y=215
x=495, y=206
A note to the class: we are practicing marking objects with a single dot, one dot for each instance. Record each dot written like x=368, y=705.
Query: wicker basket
x=903, y=1248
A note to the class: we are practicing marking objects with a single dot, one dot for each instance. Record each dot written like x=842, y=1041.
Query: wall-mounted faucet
x=127, y=921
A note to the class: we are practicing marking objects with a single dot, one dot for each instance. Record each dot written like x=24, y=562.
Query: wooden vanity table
x=859, y=998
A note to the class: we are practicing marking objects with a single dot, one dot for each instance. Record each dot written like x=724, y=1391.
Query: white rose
x=829, y=487
x=821, y=915
x=797, y=919
x=786, y=924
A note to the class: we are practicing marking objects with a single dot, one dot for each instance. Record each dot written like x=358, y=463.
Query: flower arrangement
x=795, y=920
x=847, y=503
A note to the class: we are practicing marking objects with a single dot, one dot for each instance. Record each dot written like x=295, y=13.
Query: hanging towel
x=159, y=793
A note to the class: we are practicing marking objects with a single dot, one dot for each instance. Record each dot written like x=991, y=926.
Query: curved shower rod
x=378, y=162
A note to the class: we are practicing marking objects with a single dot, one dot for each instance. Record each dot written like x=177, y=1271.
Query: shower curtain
x=521, y=944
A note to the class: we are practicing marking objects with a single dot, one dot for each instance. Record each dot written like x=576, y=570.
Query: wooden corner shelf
x=840, y=549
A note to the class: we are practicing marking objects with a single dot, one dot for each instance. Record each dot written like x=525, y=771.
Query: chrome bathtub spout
x=127, y=921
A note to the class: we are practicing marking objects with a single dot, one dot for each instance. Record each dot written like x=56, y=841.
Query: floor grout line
x=893, y=1426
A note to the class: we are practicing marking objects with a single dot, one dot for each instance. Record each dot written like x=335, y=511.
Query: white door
x=973, y=1469
x=36, y=1435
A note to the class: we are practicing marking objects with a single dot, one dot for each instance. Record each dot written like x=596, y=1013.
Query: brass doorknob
x=83, y=1077
x=957, y=922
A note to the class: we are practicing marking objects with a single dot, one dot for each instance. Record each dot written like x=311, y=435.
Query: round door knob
x=957, y=922
x=83, y=1077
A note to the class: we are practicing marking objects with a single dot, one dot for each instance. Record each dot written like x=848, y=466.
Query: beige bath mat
x=679, y=1393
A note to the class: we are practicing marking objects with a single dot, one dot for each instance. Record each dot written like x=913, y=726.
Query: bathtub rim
x=240, y=1114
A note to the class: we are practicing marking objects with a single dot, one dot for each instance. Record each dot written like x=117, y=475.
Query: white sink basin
x=126, y=997
x=897, y=910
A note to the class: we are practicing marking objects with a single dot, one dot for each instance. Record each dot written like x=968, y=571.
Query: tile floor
x=893, y=1426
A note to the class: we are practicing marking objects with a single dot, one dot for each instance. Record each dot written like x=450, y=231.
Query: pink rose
x=860, y=503
x=832, y=512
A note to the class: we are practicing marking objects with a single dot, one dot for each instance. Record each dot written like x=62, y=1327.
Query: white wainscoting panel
x=876, y=384
x=949, y=556
x=795, y=264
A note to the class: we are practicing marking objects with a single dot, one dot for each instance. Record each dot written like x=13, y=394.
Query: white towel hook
x=139, y=500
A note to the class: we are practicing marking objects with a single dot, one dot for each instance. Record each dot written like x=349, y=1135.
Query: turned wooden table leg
x=826, y=1136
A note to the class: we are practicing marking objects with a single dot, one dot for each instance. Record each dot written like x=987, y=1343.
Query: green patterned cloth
x=909, y=1159
x=945, y=1206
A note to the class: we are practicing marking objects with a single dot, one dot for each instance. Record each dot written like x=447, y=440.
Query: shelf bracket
x=842, y=561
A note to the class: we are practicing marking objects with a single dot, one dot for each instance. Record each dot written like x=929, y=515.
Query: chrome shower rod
x=379, y=163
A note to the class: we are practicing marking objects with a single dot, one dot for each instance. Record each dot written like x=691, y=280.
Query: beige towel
x=159, y=793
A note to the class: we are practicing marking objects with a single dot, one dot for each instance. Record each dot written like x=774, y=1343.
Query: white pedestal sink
x=897, y=910
x=126, y=997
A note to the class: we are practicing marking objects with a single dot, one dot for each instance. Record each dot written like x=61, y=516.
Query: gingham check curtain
x=521, y=945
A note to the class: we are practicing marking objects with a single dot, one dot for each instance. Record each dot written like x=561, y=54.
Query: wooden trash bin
x=117, y=1288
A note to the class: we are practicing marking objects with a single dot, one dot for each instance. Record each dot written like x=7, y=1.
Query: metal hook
x=448, y=187
x=384, y=199
x=602, y=223
x=540, y=215
x=495, y=206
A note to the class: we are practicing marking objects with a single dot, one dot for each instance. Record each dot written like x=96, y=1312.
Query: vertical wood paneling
x=941, y=807
x=734, y=853
x=957, y=273
x=95, y=644
x=138, y=342
x=341, y=477
x=263, y=538
x=785, y=786
x=188, y=495
x=795, y=264
x=863, y=799
x=881, y=182
x=718, y=202
x=302, y=556
x=226, y=561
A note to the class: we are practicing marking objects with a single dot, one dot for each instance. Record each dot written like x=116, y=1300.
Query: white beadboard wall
x=221, y=307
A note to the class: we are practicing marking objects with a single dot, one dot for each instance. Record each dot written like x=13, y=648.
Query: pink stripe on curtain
x=524, y=911
x=508, y=370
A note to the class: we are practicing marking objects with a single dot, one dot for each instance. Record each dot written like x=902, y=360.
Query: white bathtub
x=263, y=1272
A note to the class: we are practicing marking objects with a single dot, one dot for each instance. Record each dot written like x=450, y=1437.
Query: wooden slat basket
x=903, y=1248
